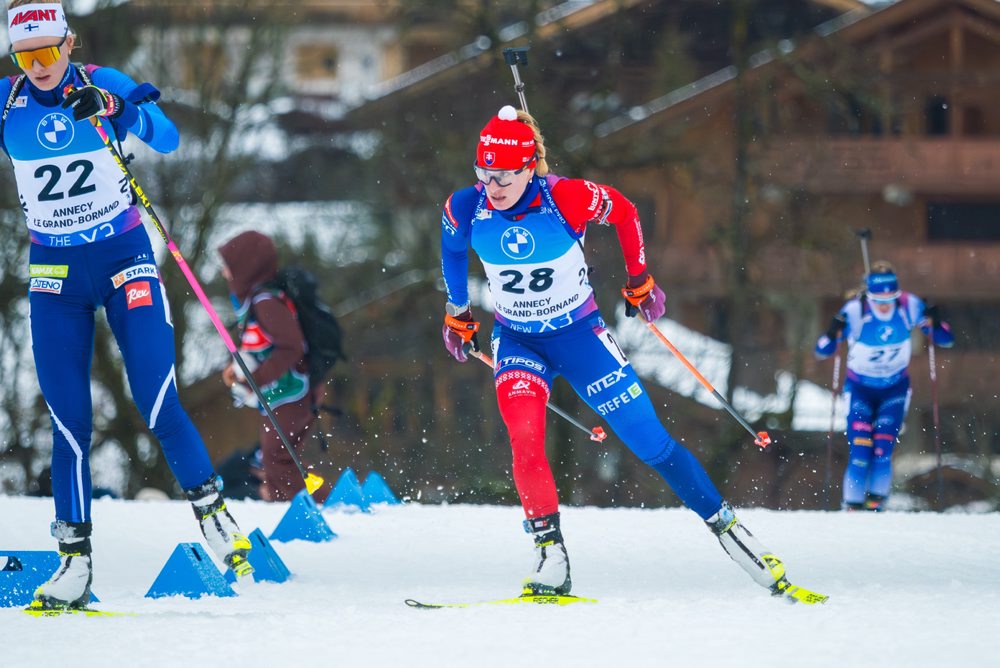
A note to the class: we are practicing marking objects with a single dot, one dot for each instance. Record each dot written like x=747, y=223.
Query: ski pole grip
x=515, y=55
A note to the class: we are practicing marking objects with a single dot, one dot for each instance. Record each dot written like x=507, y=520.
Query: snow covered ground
x=907, y=589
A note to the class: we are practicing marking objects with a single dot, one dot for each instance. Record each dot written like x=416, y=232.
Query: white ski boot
x=69, y=587
x=219, y=527
x=765, y=568
x=550, y=574
x=761, y=564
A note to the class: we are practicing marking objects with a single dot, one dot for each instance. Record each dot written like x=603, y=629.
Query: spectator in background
x=274, y=348
x=243, y=474
x=877, y=325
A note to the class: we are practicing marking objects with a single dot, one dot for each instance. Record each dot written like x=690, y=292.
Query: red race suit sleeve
x=582, y=202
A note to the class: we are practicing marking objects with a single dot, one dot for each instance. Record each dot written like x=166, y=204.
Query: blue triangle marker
x=189, y=572
x=302, y=521
x=376, y=490
x=347, y=492
x=22, y=572
x=267, y=565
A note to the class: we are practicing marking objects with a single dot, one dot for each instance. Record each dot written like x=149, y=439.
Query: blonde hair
x=541, y=166
x=883, y=267
x=18, y=3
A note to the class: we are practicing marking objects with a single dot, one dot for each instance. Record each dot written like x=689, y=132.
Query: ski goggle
x=46, y=55
x=503, y=177
x=885, y=297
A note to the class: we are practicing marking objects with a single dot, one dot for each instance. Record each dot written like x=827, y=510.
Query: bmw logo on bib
x=55, y=131
x=517, y=243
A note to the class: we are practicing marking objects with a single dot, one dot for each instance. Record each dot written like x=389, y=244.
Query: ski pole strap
x=637, y=295
x=466, y=329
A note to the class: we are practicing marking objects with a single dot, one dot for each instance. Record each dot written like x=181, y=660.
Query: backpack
x=323, y=335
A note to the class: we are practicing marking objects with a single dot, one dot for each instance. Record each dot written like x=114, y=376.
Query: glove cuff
x=636, y=295
x=465, y=329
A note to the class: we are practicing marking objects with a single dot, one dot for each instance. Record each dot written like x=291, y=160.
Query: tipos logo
x=138, y=294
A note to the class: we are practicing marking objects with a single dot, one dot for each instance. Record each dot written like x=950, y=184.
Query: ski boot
x=69, y=588
x=765, y=568
x=875, y=502
x=550, y=575
x=219, y=527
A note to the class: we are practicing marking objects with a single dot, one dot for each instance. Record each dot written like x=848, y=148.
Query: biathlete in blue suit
x=527, y=227
x=89, y=250
x=877, y=325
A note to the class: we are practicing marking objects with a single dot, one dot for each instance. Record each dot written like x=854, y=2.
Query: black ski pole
x=829, y=435
x=864, y=236
x=937, y=417
x=514, y=56
x=596, y=434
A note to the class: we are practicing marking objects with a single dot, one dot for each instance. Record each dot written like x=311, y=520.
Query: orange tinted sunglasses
x=46, y=55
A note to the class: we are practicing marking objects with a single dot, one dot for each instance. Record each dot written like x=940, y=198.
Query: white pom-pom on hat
x=507, y=113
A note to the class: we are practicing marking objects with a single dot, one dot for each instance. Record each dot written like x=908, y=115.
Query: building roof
x=476, y=55
x=855, y=26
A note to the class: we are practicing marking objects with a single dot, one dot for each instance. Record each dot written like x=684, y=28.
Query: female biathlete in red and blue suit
x=528, y=227
x=89, y=250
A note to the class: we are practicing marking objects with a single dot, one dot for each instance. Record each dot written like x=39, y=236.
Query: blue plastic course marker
x=189, y=572
x=376, y=490
x=22, y=572
x=267, y=565
x=347, y=492
x=302, y=521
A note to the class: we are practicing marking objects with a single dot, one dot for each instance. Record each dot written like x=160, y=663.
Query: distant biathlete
x=88, y=251
x=527, y=227
x=877, y=325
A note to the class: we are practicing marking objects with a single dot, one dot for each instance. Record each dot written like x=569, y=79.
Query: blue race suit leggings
x=587, y=356
x=119, y=274
x=873, y=422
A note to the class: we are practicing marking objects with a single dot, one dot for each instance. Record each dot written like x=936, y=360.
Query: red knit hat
x=505, y=142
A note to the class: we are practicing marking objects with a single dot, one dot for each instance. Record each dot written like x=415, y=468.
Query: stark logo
x=137, y=271
x=138, y=294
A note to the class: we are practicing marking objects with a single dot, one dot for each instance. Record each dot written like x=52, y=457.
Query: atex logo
x=134, y=272
x=51, y=285
x=138, y=294
x=604, y=383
